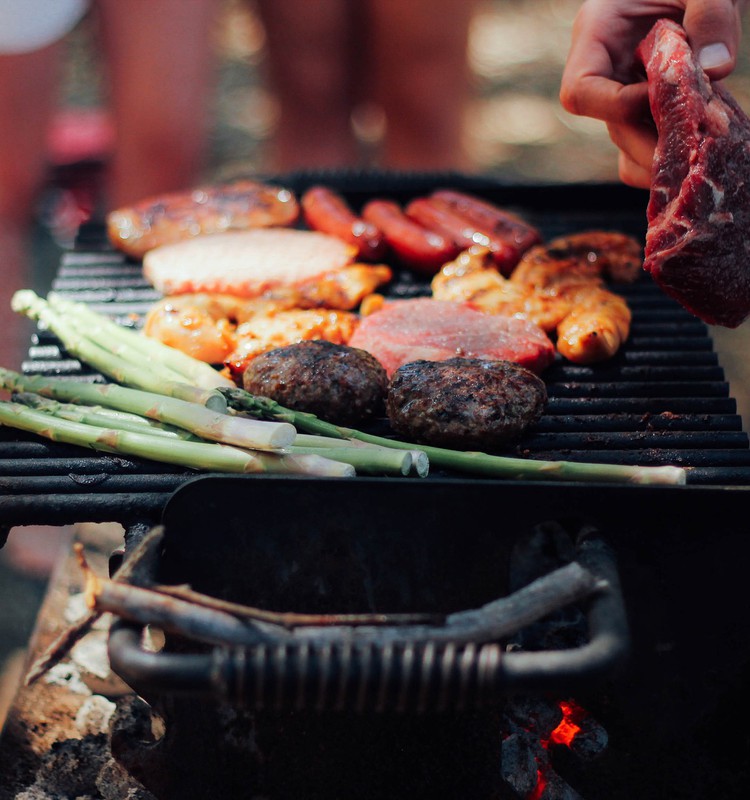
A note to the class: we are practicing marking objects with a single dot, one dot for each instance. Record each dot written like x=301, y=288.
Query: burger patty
x=337, y=383
x=464, y=403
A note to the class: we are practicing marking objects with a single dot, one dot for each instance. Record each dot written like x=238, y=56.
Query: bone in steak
x=434, y=330
x=698, y=242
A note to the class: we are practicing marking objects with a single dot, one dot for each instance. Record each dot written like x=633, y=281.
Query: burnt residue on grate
x=663, y=399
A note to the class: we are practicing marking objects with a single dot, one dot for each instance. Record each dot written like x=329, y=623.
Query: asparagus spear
x=368, y=459
x=193, y=417
x=120, y=340
x=103, y=417
x=375, y=461
x=125, y=367
x=420, y=464
x=471, y=462
x=196, y=455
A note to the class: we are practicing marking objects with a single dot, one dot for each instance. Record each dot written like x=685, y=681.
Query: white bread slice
x=245, y=263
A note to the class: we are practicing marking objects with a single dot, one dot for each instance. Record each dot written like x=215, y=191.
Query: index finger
x=589, y=85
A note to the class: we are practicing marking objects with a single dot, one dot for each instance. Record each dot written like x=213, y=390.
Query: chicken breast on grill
x=560, y=286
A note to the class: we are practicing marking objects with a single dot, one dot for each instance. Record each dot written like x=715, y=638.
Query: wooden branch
x=64, y=643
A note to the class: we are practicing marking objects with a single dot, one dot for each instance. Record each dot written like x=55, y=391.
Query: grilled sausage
x=496, y=223
x=326, y=211
x=169, y=218
x=438, y=215
x=415, y=246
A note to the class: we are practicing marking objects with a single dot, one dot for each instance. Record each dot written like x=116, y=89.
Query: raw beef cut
x=698, y=240
x=423, y=329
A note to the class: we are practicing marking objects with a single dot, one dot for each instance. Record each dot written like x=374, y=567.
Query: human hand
x=602, y=78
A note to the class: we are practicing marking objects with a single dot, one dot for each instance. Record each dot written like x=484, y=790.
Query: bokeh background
x=514, y=129
x=514, y=126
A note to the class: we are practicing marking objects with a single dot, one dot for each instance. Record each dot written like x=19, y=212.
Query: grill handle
x=389, y=677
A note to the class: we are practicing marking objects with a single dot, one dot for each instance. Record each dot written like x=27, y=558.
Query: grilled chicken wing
x=220, y=328
x=560, y=286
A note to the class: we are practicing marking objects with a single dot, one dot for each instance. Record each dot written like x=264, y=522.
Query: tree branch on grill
x=64, y=643
x=181, y=611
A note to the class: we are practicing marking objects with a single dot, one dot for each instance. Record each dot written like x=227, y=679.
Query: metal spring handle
x=393, y=676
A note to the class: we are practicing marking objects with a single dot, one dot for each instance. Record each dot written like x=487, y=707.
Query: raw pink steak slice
x=698, y=240
x=436, y=330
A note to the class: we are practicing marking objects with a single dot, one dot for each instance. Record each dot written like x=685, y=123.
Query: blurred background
x=514, y=129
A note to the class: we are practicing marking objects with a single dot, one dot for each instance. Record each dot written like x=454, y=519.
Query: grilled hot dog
x=417, y=247
x=498, y=225
x=326, y=211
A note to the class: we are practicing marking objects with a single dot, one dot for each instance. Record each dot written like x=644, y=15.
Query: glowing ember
x=563, y=734
x=541, y=784
x=568, y=728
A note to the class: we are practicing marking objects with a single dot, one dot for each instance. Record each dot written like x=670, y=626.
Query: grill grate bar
x=68, y=509
x=635, y=440
x=645, y=405
x=636, y=372
x=99, y=484
x=640, y=389
x=637, y=422
x=665, y=342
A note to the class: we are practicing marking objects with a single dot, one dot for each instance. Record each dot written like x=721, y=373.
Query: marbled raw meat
x=434, y=330
x=698, y=240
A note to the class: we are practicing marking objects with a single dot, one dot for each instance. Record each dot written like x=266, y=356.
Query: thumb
x=713, y=29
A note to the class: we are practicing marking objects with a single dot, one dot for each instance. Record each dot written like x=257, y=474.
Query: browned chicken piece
x=266, y=331
x=343, y=289
x=560, y=286
x=588, y=254
x=209, y=326
x=473, y=278
x=595, y=328
x=177, y=216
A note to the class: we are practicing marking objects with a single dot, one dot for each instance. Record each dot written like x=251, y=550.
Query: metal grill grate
x=662, y=399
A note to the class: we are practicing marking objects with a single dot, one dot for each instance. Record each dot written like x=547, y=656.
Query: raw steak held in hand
x=698, y=240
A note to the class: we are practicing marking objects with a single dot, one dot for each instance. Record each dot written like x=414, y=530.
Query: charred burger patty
x=464, y=403
x=335, y=382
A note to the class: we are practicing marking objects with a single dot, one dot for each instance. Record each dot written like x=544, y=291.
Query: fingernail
x=713, y=55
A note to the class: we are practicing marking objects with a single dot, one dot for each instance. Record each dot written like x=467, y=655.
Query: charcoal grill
x=663, y=399
x=681, y=551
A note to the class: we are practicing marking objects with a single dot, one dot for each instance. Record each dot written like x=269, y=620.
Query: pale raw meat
x=247, y=263
x=434, y=330
x=698, y=241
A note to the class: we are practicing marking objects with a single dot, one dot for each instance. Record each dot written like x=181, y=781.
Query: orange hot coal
x=568, y=728
x=563, y=734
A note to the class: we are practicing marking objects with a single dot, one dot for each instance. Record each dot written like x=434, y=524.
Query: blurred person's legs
x=160, y=74
x=420, y=78
x=28, y=91
x=408, y=58
x=309, y=73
